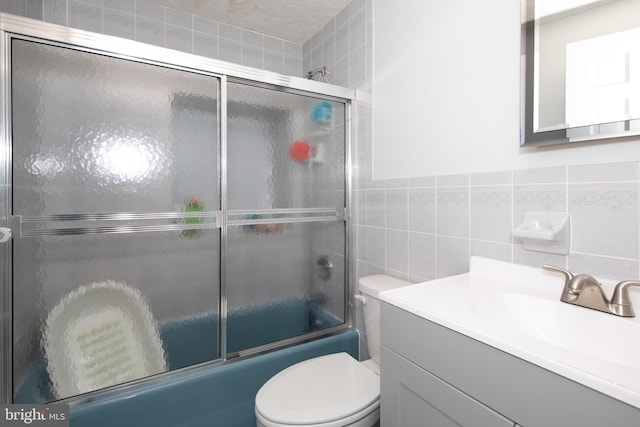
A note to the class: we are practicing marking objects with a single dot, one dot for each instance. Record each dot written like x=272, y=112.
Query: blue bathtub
x=188, y=342
x=207, y=396
x=217, y=396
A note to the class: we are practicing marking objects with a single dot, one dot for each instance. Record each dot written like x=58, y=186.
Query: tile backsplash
x=426, y=228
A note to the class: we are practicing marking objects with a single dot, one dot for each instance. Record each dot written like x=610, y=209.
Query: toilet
x=334, y=390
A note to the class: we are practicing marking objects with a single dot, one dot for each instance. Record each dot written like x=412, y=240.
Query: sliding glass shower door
x=160, y=212
x=285, y=245
x=115, y=189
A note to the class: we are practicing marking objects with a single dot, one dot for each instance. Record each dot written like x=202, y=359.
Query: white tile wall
x=437, y=222
x=447, y=221
x=162, y=26
x=344, y=47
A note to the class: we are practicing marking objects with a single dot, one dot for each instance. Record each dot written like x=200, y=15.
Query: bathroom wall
x=150, y=23
x=447, y=93
x=425, y=228
x=465, y=201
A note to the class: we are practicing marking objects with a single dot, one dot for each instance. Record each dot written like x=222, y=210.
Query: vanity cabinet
x=434, y=376
x=414, y=397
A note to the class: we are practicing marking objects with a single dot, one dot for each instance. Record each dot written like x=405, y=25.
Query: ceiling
x=293, y=20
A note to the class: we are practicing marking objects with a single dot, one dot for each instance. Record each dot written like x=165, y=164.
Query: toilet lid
x=318, y=390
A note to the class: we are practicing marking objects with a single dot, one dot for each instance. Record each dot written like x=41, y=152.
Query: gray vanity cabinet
x=415, y=398
x=434, y=376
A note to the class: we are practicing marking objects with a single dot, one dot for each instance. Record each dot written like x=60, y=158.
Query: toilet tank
x=370, y=287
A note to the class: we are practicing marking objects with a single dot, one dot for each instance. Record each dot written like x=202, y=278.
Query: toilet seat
x=332, y=390
x=365, y=418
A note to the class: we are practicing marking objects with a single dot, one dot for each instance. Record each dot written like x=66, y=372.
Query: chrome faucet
x=584, y=290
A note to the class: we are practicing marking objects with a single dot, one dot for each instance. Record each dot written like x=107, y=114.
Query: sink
x=517, y=309
x=580, y=338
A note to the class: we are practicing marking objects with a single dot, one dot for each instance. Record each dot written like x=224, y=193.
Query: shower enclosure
x=215, y=193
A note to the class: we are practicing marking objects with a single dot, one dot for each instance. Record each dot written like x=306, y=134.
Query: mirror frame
x=529, y=137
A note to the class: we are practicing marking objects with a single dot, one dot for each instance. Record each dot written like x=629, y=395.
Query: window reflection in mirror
x=582, y=69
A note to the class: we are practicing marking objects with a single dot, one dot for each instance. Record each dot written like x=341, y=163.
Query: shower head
x=322, y=71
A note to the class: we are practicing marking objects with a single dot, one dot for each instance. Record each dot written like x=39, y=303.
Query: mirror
x=581, y=70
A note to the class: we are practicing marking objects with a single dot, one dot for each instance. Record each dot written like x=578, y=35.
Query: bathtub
x=217, y=396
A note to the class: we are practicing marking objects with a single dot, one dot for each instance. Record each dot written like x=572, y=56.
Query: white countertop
x=517, y=309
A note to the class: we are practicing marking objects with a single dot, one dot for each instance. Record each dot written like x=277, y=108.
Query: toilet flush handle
x=360, y=298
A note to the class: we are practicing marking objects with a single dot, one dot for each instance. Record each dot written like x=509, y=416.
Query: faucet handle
x=572, y=283
x=620, y=302
x=567, y=274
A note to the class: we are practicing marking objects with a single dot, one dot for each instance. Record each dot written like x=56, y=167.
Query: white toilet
x=334, y=390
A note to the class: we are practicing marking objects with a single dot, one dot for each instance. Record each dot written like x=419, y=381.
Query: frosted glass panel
x=94, y=134
x=276, y=285
x=176, y=276
x=285, y=150
x=286, y=158
x=105, y=148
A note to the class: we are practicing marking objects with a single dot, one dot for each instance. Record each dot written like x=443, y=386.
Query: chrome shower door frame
x=13, y=27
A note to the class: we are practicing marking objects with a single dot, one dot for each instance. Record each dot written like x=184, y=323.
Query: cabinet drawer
x=412, y=397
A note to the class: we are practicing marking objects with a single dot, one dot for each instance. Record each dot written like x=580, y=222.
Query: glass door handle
x=5, y=234
x=12, y=231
